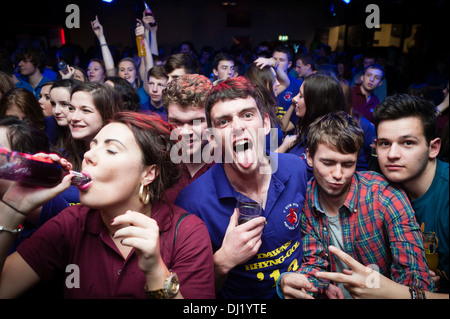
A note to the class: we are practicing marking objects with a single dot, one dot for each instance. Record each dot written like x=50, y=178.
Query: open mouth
x=84, y=180
x=77, y=127
x=242, y=145
x=243, y=150
x=84, y=186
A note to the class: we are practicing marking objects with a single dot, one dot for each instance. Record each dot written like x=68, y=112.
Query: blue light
x=346, y=1
x=109, y=1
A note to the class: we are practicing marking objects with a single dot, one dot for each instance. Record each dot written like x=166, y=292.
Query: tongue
x=245, y=158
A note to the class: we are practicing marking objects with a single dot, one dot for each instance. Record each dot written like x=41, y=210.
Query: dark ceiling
x=392, y=11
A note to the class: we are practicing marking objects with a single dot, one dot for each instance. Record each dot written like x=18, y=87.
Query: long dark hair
x=25, y=138
x=27, y=103
x=63, y=131
x=103, y=96
x=106, y=102
x=263, y=80
x=321, y=93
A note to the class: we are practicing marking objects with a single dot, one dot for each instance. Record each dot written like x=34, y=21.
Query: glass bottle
x=430, y=246
x=34, y=170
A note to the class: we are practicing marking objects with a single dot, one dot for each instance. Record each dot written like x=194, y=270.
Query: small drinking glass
x=248, y=208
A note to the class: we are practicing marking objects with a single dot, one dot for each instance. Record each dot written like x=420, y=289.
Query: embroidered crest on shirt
x=291, y=211
x=287, y=96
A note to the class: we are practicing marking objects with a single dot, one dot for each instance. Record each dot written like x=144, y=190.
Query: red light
x=62, y=36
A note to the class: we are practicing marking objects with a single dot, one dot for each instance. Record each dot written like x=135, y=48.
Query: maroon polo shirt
x=77, y=236
x=184, y=181
x=361, y=105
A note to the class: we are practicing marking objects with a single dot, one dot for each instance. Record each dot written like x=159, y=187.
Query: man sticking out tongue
x=248, y=257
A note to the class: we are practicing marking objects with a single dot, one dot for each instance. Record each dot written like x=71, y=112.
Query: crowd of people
x=349, y=172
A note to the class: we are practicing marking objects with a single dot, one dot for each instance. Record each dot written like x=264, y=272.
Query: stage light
x=108, y=1
x=346, y=1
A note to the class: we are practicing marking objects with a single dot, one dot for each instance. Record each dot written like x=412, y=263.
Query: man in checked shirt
x=362, y=213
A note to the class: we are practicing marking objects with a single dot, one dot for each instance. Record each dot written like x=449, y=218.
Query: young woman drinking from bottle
x=124, y=240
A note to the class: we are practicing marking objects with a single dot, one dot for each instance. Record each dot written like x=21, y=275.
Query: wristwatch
x=171, y=288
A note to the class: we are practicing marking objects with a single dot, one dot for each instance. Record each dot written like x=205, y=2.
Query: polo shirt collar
x=94, y=223
x=360, y=92
x=221, y=182
x=350, y=203
x=225, y=189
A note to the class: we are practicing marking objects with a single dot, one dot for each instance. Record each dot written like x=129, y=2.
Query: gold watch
x=171, y=288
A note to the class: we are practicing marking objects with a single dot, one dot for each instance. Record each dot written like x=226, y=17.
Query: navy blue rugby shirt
x=212, y=198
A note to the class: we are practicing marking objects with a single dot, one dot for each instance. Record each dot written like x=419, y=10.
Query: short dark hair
x=399, y=106
x=221, y=56
x=306, y=59
x=182, y=60
x=158, y=71
x=35, y=56
x=284, y=49
x=128, y=95
x=231, y=89
x=68, y=84
x=374, y=66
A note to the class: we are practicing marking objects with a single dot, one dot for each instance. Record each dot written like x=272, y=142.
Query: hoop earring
x=144, y=199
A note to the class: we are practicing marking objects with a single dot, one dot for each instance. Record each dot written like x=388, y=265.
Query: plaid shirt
x=378, y=228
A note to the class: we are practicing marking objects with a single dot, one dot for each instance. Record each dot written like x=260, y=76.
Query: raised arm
x=106, y=53
x=150, y=28
x=147, y=60
x=286, y=124
x=282, y=77
x=442, y=106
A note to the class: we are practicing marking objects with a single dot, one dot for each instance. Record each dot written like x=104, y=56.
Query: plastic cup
x=248, y=208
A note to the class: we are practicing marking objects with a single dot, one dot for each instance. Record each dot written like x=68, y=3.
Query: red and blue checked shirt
x=378, y=228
